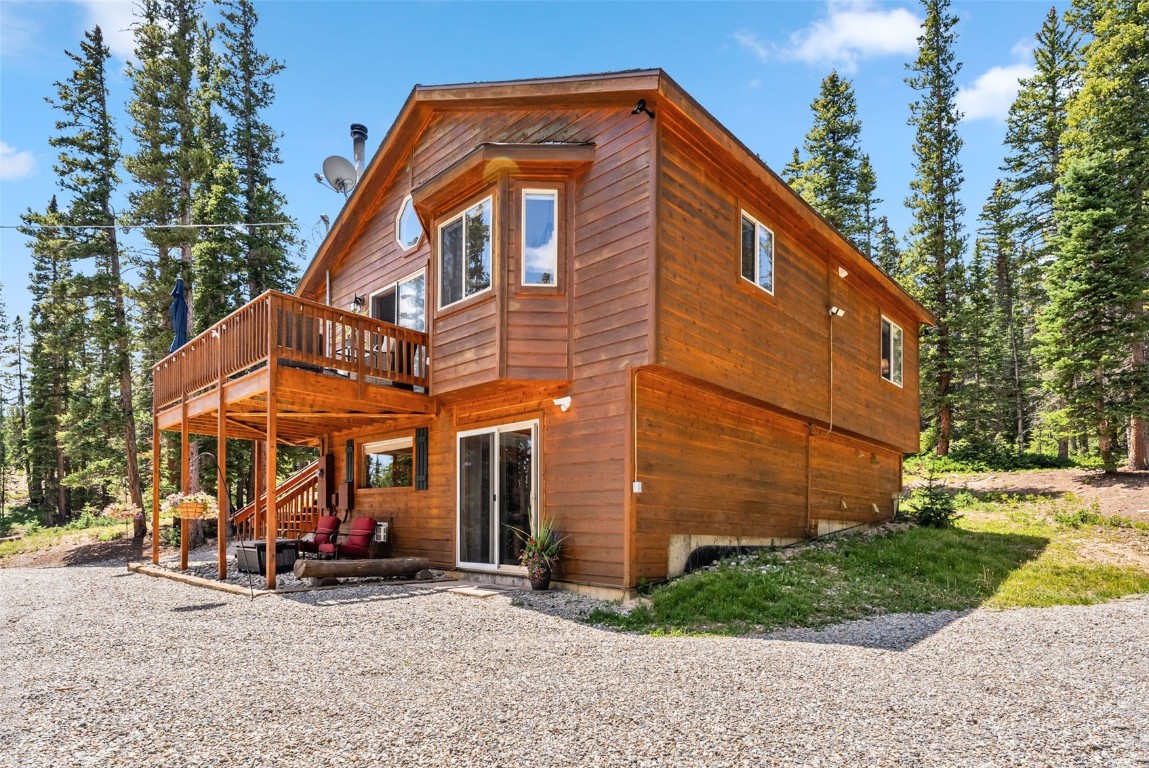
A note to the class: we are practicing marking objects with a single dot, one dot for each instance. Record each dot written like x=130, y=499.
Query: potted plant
x=189, y=506
x=540, y=553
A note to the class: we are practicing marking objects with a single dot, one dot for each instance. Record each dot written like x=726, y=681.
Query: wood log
x=391, y=566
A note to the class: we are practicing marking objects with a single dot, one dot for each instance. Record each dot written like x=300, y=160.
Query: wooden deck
x=325, y=369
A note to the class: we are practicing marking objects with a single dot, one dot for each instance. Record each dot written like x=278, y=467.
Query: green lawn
x=1004, y=552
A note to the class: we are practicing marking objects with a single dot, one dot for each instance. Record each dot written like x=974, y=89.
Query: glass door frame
x=496, y=490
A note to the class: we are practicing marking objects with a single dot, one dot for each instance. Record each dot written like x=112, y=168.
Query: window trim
x=758, y=226
x=902, y=351
x=385, y=446
x=489, y=199
x=408, y=200
x=554, y=195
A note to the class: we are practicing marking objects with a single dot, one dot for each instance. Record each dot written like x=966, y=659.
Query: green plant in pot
x=541, y=548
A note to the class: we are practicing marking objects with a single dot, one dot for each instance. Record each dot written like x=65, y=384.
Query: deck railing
x=297, y=507
x=296, y=333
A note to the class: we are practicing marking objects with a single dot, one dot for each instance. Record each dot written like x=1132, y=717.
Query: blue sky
x=756, y=66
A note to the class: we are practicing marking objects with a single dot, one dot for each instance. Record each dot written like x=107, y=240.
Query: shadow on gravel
x=355, y=594
x=198, y=607
x=100, y=552
x=897, y=632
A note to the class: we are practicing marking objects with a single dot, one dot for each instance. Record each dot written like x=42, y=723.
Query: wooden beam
x=185, y=480
x=156, y=436
x=271, y=526
x=221, y=495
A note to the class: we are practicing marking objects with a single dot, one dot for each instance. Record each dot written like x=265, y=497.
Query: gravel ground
x=100, y=667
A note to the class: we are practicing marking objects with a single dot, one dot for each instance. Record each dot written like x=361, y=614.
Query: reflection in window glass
x=540, y=238
x=412, y=304
x=408, y=229
x=892, y=366
x=389, y=464
x=757, y=253
x=465, y=254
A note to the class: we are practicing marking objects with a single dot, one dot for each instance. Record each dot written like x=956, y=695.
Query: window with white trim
x=465, y=254
x=891, y=352
x=757, y=253
x=388, y=464
x=540, y=241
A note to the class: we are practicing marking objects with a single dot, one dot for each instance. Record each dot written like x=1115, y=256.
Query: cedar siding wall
x=711, y=466
x=580, y=339
x=719, y=327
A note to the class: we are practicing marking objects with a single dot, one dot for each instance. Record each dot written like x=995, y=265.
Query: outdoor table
x=251, y=555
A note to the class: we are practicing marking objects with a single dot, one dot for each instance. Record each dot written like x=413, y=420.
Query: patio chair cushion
x=357, y=542
x=326, y=529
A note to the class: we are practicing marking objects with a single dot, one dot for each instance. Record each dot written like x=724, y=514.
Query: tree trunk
x=1138, y=439
x=1063, y=449
x=392, y=566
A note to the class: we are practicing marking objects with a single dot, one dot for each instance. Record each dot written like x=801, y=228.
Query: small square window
x=892, y=367
x=757, y=253
x=388, y=464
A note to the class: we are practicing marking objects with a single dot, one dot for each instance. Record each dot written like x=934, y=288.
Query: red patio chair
x=354, y=543
x=312, y=542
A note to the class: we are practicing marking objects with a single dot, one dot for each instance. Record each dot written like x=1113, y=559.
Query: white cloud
x=15, y=164
x=114, y=18
x=853, y=30
x=993, y=92
x=751, y=43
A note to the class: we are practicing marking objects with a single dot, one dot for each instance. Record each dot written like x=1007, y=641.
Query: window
x=465, y=254
x=891, y=352
x=403, y=303
x=757, y=253
x=540, y=237
x=388, y=464
x=408, y=230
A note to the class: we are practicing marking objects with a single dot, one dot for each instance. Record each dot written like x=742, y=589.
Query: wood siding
x=715, y=325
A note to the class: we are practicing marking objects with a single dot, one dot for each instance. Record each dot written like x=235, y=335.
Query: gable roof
x=654, y=85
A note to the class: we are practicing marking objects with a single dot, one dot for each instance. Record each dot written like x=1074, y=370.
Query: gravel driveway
x=104, y=668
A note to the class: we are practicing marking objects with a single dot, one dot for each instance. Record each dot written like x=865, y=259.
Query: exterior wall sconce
x=842, y=273
x=358, y=302
x=564, y=403
x=837, y=312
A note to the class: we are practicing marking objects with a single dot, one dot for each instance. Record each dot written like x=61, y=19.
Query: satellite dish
x=340, y=173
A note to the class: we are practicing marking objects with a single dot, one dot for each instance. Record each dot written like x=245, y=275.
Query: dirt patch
x=1125, y=494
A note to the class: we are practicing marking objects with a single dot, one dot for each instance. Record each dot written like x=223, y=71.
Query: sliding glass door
x=498, y=482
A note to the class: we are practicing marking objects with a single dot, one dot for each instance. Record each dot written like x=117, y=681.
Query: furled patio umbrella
x=179, y=312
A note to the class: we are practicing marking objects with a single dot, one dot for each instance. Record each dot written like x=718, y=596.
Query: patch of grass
x=1008, y=551
x=35, y=537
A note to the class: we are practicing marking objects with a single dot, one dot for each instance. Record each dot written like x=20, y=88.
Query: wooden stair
x=296, y=507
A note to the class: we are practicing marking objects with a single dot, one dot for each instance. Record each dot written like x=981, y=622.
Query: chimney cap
x=358, y=131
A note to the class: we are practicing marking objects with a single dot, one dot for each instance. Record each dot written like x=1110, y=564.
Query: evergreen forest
x=1038, y=356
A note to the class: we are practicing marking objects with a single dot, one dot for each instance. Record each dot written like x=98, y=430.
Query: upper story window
x=465, y=254
x=403, y=303
x=757, y=253
x=408, y=230
x=891, y=352
x=388, y=464
x=540, y=251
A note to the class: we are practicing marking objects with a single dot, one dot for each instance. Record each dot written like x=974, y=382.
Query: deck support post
x=185, y=479
x=155, y=489
x=271, y=515
x=221, y=496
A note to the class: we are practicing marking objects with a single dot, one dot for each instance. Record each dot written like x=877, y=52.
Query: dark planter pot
x=542, y=580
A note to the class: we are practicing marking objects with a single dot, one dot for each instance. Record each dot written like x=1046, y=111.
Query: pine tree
x=978, y=356
x=828, y=177
x=17, y=428
x=868, y=202
x=5, y=395
x=1095, y=326
x=89, y=153
x=247, y=93
x=55, y=328
x=887, y=254
x=933, y=263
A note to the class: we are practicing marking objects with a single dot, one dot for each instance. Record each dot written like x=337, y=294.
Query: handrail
x=296, y=506
x=307, y=334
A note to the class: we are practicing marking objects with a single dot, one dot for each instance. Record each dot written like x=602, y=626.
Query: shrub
x=931, y=504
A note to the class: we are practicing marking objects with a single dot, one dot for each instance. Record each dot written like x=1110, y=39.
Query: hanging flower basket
x=189, y=506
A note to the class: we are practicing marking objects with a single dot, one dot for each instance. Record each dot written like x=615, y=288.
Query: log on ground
x=390, y=566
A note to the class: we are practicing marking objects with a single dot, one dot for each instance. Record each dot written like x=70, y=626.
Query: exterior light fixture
x=564, y=403
x=837, y=312
x=842, y=273
x=357, y=303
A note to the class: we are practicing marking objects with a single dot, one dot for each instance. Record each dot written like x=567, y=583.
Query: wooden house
x=580, y=297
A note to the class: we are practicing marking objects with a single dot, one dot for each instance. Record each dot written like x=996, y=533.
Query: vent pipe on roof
x=358, y=139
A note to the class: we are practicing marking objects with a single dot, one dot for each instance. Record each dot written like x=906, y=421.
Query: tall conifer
x=934, y=259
